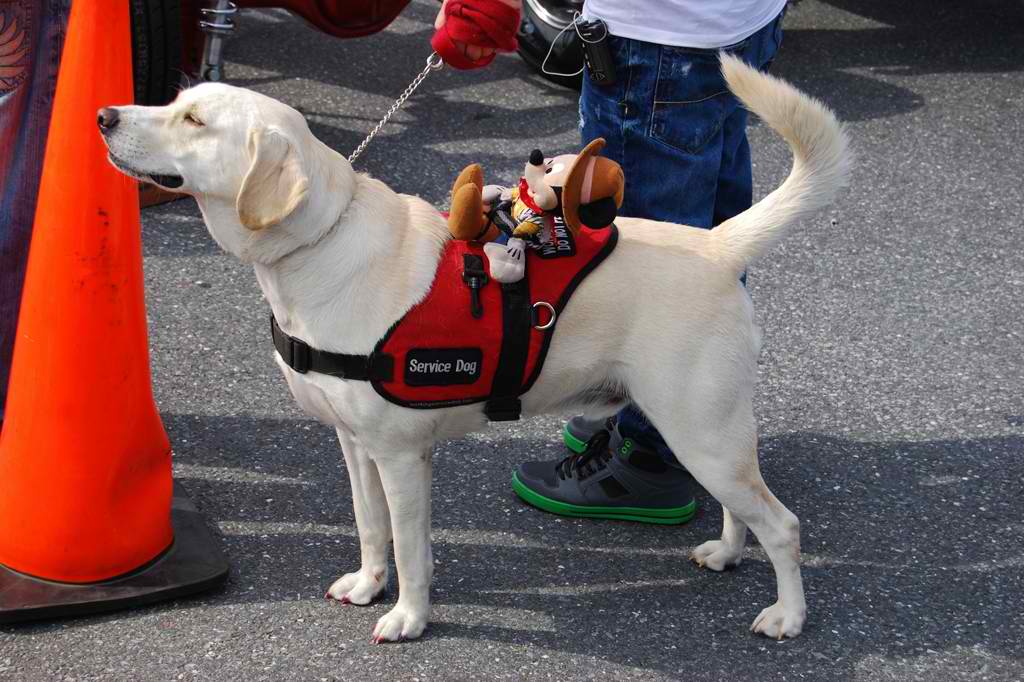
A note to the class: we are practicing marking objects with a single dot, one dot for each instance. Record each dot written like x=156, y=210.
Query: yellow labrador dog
x=340, y=257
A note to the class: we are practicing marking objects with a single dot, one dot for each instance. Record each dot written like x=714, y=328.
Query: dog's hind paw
x=717, y=555
x=400, y=623
x=776, y=622
x=359, y=588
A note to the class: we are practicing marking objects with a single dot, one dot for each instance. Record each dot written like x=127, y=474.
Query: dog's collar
x=312, y=244
x=328, y=232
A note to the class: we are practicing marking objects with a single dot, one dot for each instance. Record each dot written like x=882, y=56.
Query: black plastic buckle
x=381, y=367
x=503, y=409
x=475, y=277
x=299, y=355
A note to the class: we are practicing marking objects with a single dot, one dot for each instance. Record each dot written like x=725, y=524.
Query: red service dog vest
x=471, y=339
x=444, y=355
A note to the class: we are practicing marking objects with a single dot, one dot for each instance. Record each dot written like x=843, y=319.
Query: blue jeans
x=26, y=98
x=681, y=138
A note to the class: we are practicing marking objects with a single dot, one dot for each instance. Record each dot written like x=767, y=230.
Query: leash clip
x=298, y=355
x=434, y=61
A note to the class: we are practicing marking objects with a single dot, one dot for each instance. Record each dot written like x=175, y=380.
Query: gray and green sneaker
x=579, y=430
x=612, y=478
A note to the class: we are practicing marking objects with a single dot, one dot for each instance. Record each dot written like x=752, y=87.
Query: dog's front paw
x=400, y=623
x=717, y=555
x=359, y=588
x=776, y=622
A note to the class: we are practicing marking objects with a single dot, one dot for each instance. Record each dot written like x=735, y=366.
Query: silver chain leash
x=434, y=63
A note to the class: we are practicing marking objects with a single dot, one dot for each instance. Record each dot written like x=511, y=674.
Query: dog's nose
x=107, y=118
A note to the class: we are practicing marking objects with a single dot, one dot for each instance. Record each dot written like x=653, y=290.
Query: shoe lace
x=594, y=458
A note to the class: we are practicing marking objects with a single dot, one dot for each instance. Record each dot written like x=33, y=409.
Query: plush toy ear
x=600, y=213
x=466, y=220
x=466, y=215
x=605, y=179
x=472, y=174
x=275, y=185
x=573, y=188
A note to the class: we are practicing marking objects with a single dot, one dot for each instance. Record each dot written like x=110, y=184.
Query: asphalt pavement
x=890, y=398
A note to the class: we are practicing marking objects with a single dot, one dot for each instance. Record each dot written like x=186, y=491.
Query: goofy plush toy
x=574, y=189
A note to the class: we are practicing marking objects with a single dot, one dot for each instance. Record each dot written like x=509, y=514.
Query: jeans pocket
x=691, y=100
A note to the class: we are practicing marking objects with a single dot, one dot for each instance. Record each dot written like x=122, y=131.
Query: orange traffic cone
x=85, y=465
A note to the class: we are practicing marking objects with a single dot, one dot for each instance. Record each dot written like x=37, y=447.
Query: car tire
x=156, y=50
x=542, y=21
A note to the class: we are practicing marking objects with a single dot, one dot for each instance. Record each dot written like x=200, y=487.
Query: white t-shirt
x=684, y=23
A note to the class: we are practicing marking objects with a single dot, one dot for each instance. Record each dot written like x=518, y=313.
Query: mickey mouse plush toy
x=580, y=189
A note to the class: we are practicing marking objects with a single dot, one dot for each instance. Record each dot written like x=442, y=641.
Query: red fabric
x=524, y=196
x=443, y=319
x=339, y=18
x=484, y=23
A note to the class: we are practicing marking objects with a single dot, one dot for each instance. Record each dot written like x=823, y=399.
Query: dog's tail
x=821, y=162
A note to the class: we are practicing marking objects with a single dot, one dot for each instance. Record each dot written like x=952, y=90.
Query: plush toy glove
x=470, y=32
x=492, y=194
x=507, y=261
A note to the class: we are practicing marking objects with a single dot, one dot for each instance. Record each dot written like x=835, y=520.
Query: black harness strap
x=501, y=217
x=297, y=354
x=517, y=320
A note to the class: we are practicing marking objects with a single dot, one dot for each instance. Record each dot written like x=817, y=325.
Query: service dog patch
x=443, y=366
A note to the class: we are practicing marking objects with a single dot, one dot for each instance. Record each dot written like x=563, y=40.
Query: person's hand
x=468, y=33
x=472, y=52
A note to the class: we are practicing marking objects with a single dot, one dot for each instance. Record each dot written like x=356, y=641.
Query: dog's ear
x=276, y=183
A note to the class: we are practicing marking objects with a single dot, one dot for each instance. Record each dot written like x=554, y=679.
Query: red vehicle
x=171, y=36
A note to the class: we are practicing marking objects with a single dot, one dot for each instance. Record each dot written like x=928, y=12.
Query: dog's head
x=250, y=161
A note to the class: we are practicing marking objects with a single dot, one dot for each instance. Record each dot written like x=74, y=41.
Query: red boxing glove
x=484, y=23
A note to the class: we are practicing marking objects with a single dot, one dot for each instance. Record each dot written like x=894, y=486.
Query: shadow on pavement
x=915, y=38
x=908, y=546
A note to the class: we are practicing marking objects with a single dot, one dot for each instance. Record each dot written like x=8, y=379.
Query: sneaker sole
x=670, y=516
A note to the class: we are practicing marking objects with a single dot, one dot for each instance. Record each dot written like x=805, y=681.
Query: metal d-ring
x=551, y=309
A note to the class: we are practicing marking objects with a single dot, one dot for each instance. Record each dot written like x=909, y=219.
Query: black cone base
x=194, y=563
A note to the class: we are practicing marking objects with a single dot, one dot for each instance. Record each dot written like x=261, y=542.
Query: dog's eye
x=190, y=118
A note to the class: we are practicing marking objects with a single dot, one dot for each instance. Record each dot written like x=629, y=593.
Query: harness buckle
x=507, y=409
x=475, y=277
x=298, y=355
